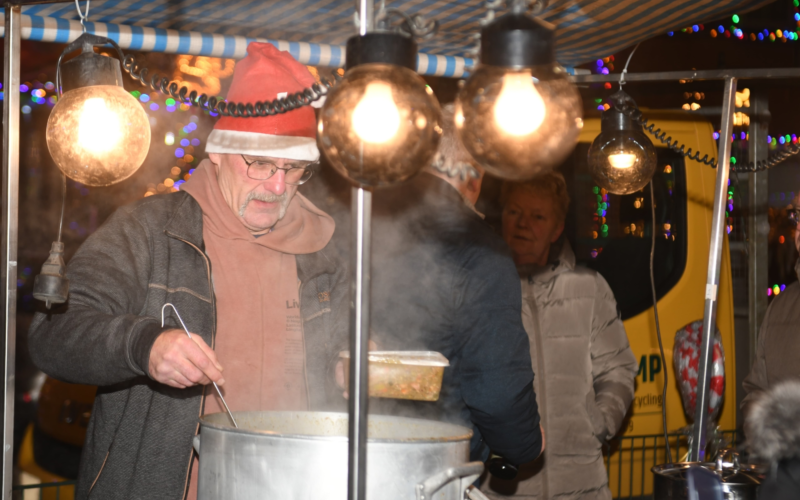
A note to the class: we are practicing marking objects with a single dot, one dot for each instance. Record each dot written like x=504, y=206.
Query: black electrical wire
x=235, y=109
x=634, y=114
x=63, y=204
x=658, y=326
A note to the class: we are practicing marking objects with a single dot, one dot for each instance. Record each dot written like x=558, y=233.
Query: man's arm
x=98, y=337
x=495, y=373
x=613, y=365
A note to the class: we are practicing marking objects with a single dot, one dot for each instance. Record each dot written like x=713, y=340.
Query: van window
x=612, y=234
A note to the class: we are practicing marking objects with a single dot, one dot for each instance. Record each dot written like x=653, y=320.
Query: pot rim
x=465, y=436
x=664, y=470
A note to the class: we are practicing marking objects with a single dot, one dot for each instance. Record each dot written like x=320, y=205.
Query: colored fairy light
x=769, y=292
x=185, y=142
x=24, y=88
x=781, y=139
x=195, y=142
x=769, y=139
x=170, y=108
x=600, y=63
x=721, y=28
x=169, y=139
x=696, y=27
x=743, y=136
x=179, y=152
x=735, y=19
x=776, y=289
x=781, y=240
x=783, y=287
x=716, y=135
x=144, y=97
x=600, y=108
x=26, y=109
x=761, y=36
x=154, y=106
x=670, y=33
x=604, y=71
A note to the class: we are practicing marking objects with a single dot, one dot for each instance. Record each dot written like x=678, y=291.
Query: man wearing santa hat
x=245, y=261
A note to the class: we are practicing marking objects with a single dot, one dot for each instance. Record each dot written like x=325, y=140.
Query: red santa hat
x=265, y=74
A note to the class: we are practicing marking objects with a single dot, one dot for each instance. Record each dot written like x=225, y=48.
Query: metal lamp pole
x=360, y=229
x=698, y=449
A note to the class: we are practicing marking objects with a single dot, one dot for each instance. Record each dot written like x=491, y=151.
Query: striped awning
x=316, y=30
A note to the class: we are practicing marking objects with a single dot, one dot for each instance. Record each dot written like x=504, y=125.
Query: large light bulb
x=98, y=135
x=380, y=125
x=98, y=128
x=622, y=160
x=376, y=118
x=519, y=109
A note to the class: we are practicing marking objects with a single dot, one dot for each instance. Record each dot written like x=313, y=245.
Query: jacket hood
x=774, y=433
x=564, y=261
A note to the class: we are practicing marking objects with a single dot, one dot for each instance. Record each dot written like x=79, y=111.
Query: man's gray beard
x=283, y=199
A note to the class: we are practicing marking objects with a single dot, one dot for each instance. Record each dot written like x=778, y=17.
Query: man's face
x=530, y=226
x=260, y=204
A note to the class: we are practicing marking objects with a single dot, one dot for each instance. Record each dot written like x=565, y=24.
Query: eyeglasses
x=261, y=170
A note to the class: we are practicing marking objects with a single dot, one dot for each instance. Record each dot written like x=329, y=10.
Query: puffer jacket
x=585, y=380
x=139, y=439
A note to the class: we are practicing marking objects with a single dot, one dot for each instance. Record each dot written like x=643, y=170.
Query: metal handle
x=735, y=465
x=190, y=336
x=467, y=473
x=474, y=493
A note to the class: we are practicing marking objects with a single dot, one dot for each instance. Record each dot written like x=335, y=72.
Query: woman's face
x=530, y=225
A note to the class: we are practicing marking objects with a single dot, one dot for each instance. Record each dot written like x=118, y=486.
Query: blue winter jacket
x=443, y=281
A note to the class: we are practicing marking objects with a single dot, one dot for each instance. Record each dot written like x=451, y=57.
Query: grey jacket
x=138, y=444
x=585, y=380
x=777, y=347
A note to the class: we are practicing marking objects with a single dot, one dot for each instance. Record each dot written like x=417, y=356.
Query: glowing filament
x=622, y=160
x=376, y=118
x=99, y=130
x=519, y=109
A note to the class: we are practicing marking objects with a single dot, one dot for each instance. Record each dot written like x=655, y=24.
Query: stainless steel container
x=303, y=455
x=739, y=482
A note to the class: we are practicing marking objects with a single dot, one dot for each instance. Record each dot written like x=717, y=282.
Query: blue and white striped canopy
x=316, y=30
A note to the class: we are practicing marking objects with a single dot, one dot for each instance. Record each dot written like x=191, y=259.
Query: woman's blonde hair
x=551, y=184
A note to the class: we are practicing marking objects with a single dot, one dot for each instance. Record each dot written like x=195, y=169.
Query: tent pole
x=699, y=433
x=9, y=194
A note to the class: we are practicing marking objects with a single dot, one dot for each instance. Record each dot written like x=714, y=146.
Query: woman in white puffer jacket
x=583, y=363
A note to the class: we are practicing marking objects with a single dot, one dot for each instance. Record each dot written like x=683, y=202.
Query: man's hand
x=179, y=361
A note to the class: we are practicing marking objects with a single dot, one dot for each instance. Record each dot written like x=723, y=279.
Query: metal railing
x=630, y=458
x=62, y=490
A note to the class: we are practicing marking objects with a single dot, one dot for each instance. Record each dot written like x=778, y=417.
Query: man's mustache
x=265, y=197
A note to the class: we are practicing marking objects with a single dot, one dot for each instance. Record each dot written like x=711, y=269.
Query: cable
x=658, y=326
x=634, y=114
x=237, y=110
x=625, y=69
x=63, y=203
x=83, y=17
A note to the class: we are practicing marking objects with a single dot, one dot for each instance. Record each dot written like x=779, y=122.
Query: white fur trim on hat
x=253, y=143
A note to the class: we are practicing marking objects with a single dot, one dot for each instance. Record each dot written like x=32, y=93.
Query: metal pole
x=9, y=194
x=361, y=217
x=360, y=228
x=711, y=74
x=697, y=452
x=757, y=220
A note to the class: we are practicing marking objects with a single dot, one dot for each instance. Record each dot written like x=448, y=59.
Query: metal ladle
x=190, y=336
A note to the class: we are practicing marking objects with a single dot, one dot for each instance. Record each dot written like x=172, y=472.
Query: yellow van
x=612, y=235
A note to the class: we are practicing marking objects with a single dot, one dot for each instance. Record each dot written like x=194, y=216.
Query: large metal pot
x=739, y=482
x=303, y=455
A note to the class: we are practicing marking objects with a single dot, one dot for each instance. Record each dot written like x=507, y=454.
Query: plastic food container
x=402, y=374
